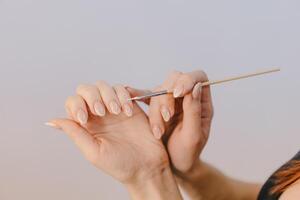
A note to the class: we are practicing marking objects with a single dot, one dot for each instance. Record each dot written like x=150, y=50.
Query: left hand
x=119, y=143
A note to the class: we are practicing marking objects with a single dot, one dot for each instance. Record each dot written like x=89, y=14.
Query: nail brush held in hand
x=163, y=92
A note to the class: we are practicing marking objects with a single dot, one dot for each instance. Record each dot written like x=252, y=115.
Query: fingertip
x=178, y=91
x=99, y=109
x=128, y=110
x=52, y=124
x=157, y=132
x=197, y=91
x=114, y=108
x=82, y=116
x=166, y=114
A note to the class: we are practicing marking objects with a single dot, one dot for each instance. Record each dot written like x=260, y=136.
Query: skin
x=115, y=136
x=183, y=120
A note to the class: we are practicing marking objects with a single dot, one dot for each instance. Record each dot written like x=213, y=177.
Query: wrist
x=197, y=169
x=194, y=180
x=160, y=185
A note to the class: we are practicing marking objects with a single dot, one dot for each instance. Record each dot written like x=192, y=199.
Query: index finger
x=187, y=82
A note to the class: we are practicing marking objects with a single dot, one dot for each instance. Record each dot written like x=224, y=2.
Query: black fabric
x=265, y=191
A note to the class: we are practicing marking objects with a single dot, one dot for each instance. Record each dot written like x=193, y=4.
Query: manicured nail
x=197, y=91
x=165, y=113
x=128, y=111
x=115, y=108
x=82, y=117
x=178, y=91
x=52, y=125
x=157, y=132
x=99, y=109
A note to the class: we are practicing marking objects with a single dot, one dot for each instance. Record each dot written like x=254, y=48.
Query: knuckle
x=119, y=86
x=186, y=78
x=69, y=100
x=202, y=74
x=101, y=83
x=88, y=92
x=175, y=73
x=81, y=87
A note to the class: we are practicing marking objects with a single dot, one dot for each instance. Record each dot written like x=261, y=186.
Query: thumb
x=192, y=120
x=82, y=139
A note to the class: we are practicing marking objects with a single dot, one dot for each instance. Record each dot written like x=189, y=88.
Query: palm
x=124, y=145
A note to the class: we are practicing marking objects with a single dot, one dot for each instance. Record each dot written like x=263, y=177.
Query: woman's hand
x=183, y=119
x=114, y=135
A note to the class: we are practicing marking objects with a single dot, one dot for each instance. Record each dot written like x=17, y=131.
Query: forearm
x=206, y=182
x=161, y=186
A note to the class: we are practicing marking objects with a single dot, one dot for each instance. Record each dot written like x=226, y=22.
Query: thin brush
x=153, y=94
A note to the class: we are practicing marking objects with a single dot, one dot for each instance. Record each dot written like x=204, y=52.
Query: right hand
x=183, y=119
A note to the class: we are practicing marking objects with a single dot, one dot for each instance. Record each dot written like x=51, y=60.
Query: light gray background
x=49, y=47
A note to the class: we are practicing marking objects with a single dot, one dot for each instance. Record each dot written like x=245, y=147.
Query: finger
x=76, y=107
x=138, y=92
x=191, y=137
x=192, y=120
x=91, y=95
x=124, y=97
x=155, y=119
x=186, y=82
x=109, y=97
x=162, y=108
x=206, y=100
x=82, y=139
x=195, y=127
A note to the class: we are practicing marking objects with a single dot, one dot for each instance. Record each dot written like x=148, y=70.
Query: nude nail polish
x=178, y=91
x=52, y=125
x=197, y=91
x=115, y=109
x=82, y=117
x=99, y=109
x=128, y=110
x=165, y=114
x=157, y=132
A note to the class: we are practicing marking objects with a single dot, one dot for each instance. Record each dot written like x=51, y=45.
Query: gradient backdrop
x=47, y=48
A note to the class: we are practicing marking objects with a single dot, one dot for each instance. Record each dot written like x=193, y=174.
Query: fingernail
x=128, y=110
x=52, y=125
x=82, y=117
x=99, y=109
x=178, y=91
x=165, y=113
x=197, y=91
x=157, y=132
x=114, y=108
